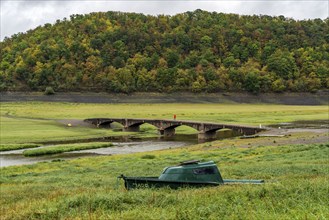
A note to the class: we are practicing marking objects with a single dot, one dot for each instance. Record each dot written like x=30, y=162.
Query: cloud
x=22, y=15
x=294, y=9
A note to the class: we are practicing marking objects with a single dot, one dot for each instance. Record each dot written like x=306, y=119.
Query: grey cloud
x=293, y=9
x=25, y=4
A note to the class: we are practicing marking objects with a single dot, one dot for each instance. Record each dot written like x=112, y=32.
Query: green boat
x=186, y=174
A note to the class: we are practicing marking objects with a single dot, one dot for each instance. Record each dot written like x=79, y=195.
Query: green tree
x=278, y=85
x=283, y=64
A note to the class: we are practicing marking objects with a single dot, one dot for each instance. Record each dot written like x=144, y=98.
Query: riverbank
x=17, y=157
x=319, y=98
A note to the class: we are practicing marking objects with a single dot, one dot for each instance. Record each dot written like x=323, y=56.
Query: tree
x=172, y=58
x=146, y=80
x=278, y=85
x=199, y=84
x=283, y=64
x=166, y=77
x=168, y=53
x=252, y=82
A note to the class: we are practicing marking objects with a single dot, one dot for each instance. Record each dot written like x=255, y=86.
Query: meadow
x=26, y=122
x=296, y=173
x=296, y=186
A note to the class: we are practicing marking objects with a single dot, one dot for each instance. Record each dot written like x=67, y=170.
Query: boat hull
x=155, y=182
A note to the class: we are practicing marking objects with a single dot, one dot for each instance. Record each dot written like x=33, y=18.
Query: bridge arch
x=107, y=123
x=206, y=130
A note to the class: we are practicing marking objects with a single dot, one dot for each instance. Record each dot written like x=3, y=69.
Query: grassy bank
x=296, y=186
x=65, y=148
x=41, y=119
x=25, y=130
x=8, y=147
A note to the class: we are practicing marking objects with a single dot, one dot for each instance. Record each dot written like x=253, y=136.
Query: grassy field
x=296, y=175
x=251, y=114
x=41, y=119
x=296, y=186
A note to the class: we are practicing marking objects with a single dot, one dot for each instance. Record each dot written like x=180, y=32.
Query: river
x=16, y=157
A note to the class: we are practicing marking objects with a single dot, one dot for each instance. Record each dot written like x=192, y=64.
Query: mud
x=319, y=98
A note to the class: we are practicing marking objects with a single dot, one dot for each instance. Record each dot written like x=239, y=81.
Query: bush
x=49, y=91
x=148, y=156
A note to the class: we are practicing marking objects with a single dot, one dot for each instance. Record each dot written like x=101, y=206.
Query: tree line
x=195, y=51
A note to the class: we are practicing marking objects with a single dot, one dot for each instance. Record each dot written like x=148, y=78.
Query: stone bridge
x=207, y=130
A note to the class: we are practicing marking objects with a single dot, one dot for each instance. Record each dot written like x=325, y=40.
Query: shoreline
x=319, y=98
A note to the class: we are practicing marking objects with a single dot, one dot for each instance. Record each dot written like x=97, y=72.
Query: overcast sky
x=22, y=15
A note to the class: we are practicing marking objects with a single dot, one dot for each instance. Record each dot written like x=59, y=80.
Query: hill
x=194, y=51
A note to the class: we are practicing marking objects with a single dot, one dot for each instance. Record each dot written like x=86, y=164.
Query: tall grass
x=296, y=175
x=8, y=147
x=296, y=186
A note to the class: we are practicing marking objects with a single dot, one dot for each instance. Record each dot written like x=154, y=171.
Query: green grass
x=8, y=147
x=41, y=119
x=22, y=130
x=65, y=148
x=252, y=114
x=297, y=178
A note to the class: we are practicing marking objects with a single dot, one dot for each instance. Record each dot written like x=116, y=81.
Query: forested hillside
x=195, y=51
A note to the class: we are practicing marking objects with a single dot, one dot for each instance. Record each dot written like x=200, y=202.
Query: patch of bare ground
x=277, y=137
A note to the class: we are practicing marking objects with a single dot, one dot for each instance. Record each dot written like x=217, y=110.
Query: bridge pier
x=169, y=132
x=167, y=127
x=207, y=135
x=133, y=128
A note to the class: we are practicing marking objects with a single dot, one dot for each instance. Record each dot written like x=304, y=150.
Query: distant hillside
x=195, y=51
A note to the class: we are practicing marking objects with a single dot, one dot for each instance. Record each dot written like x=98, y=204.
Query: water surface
x=16, y=157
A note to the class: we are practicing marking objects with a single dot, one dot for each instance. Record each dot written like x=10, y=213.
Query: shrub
x=49, y=91
x=148, y=156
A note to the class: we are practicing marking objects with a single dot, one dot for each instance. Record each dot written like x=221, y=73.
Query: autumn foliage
x=194, y=51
